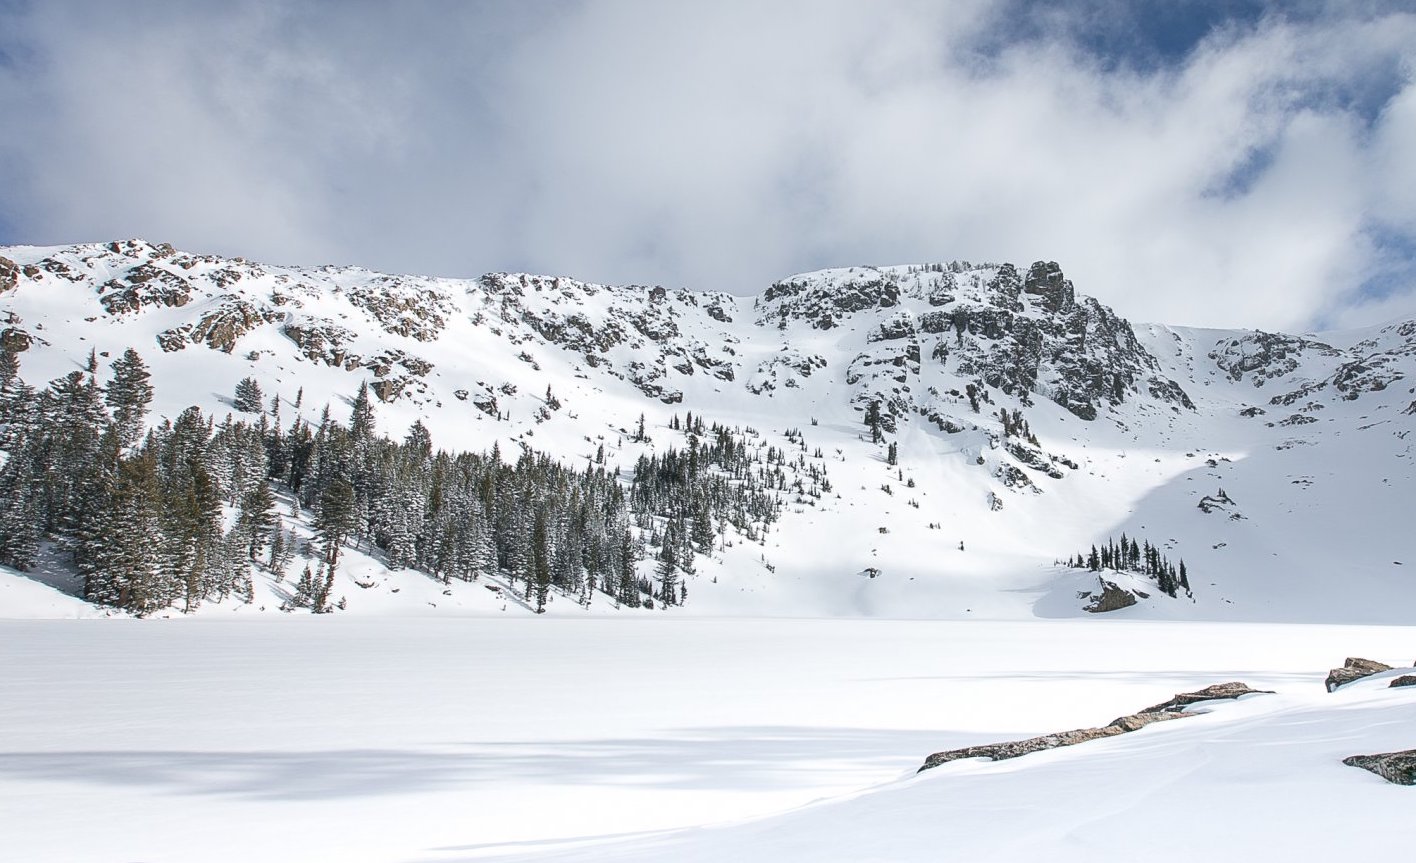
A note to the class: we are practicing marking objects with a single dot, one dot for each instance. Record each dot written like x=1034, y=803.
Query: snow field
x=440, y=739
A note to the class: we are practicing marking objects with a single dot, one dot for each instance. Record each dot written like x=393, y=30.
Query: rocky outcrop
x=404, y=307
x=1172, y=709
x=1398, y=768
x=221, y=328
x=1355, y=668
x=1046, y=282
x=1403, y=680
x=144, y=286
x=15, y=340
x=826, y=304
x=1265, y=356
x=9, y=275
x=321, y=341
x=1111, y=598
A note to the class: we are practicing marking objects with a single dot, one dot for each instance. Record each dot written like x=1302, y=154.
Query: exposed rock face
x=404, y=307
x=15, y=340
x=629, y=334
x=1403, y=680
x=1395, y=767
x=1045, y=280
x=1172, y=709
x=1265, y=355
x=1026, y=336
x=321, y=341
x=1355, y=668
x=145, y=285
x=9, y=275
x=221, y=328
x=1112, y=598
x=824, y=305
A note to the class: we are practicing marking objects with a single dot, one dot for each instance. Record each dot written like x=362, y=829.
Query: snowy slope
x=1308, y=437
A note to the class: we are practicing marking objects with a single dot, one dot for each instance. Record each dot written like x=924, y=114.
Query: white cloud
x=728, y=145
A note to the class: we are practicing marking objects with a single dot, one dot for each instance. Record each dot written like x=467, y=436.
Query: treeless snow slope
x=441, y=739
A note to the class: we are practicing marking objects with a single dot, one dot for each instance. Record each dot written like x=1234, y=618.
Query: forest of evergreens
x=182, y=511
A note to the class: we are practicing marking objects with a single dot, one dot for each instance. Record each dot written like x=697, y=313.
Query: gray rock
x=1233, y=689
x=1112, y=598
x=1045, y=280
x=1395, y=767
x=1164, y=712
x=1355, y=668
x=9, y=275
x=1403, y=680
x=15, y=340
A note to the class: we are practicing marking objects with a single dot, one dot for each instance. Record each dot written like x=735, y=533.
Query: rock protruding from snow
x=1173, y=709
x=1045, y=280
x=1403, y=680
x=9, y=274
x=1396, y=767
x=1233, y=689
x=1112, y=598
x=1355, y=668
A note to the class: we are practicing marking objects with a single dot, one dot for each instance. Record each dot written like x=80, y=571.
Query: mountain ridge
x=1015, y=405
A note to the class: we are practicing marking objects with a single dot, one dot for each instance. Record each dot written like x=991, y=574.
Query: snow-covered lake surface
x=445, y=739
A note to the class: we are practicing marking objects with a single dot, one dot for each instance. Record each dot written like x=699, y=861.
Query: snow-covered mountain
x=1016, y=422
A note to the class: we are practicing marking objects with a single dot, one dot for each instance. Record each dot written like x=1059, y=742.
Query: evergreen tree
x=256, y=521
x=541, y=561
x=20, y=513
x=249, y=398
x=128, y=395
x=668, y=564
x=361, y=416
x=873, y=420
x=334, y=521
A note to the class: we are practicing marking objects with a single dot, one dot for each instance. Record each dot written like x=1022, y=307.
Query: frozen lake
x=441, y=739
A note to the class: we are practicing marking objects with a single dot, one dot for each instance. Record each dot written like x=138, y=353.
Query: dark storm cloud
x=1222, y=163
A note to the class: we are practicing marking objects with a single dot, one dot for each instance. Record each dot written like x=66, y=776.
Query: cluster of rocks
x=1366, y=367
x=219, y=328
x=1356, y=668
x=1265, y=356
x=641, y=320
x=1021, y=334
x=1396, y=767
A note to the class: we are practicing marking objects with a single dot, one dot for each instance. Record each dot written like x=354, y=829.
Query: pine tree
x=541, y=561
x=20, y=516
x=361, y=416
x=248, y=396
x=256, y=520
x=873, y=420
x=334, y=520
x=128, y=395
x=668, y=564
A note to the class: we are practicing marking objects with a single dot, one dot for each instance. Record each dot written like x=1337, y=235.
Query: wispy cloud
x=1184, y=162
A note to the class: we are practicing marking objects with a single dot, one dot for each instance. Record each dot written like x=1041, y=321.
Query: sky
x=1200, y=163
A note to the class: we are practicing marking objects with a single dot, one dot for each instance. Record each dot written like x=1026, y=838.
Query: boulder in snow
x=1112, y=598
x=1355, y=668
x=1395, y=767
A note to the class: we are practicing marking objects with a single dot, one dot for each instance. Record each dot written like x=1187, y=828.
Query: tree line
x=180, y=512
